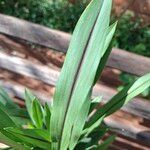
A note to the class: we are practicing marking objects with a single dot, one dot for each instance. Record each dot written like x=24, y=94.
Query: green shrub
x=54, y=14
x=132, y=36
x=68, y=124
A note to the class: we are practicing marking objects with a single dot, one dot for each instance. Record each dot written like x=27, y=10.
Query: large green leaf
x=79, y=123
x=110, y=33
x=120, y=99
x=86, y=49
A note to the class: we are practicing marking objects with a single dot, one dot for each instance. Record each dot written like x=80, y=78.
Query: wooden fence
x=59, y=41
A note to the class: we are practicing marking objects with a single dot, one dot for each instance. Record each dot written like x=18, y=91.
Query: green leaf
x=6, y=100
x=7, y=105
x=29, y=97
x=37, y=113
x=6, y=140
x=95, y=102
x=92, y=139
x=5, y=120
x=30, y=101
x=106, y=143
x=17, y=114
x=110, y=32
x=39, y=134
x=79, y=123
x=89, y=128
x=20, y=121
x=86, y=49
x=120, y=99
x=47, y=115
x=30, y=141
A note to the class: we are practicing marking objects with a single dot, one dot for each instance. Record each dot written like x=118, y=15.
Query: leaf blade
x=37, y=113
x=121, y=98
x=70, y=86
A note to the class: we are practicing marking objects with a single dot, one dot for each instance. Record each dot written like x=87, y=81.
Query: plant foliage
x=67, y=124
x=58, y=14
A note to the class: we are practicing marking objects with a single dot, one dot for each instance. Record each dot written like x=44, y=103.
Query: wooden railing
x=59, y=41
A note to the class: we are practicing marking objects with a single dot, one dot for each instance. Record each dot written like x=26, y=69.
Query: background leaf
x=121, y=98
x=5, y=120
x=37, y=113
x=30, y=141
x=4, y=139
x=106, y=143
x=6, y=100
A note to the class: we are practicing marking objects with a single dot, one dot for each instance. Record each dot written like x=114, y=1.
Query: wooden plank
x=27, y=68
x=129, y=129
x=129, y=62
x=57, y=40
x=49, y=76
x=18, y=90
x=34, y=33
x=11, y=45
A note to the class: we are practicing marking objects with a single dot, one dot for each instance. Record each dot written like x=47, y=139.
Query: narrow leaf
x=110, y=32
x=120, y=99
x=30, y=141
x=47, y=115
x=5, y=120
x=37, y=112
x=4, y=139
x=29, y=97
x=106, y=143
x=86, y=49
x=39, y=134
x=79, y=123
x=89, y=129
x=92, y=139
x=6, y=100
x=95, y=102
